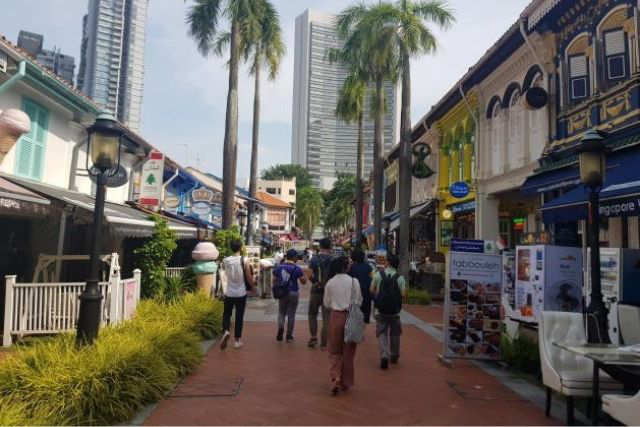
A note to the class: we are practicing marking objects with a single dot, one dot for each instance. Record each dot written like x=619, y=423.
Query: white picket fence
x=52, y=308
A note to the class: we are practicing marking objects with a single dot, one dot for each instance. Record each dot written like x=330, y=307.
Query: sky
x=185, y=94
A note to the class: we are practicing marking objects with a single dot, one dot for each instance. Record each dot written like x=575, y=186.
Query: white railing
x=173, y=272
x=51, y=308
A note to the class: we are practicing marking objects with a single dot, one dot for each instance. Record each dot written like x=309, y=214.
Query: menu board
x=472, y=306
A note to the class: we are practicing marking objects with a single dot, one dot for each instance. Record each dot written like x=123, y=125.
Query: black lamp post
x=242, y=215
x=593, y=164
x=103, y=146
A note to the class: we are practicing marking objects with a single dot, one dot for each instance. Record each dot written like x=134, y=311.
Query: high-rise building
x=112, y=62
x=322, y=143
x=62, y=65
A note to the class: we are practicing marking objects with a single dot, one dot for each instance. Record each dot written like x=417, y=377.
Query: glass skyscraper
x=112, y=63
x=322, y=143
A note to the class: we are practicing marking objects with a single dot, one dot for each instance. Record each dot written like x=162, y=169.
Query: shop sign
x=459, y=189
x=118, y=179
x=464, y=207
x=618, y=207
x=420, y=169
x=171, y=202
x=201, y=209
x=152, y=179
x=472, y=306
x=9, y=203
x=446, y=233
x=461, y=245
x=129, y=298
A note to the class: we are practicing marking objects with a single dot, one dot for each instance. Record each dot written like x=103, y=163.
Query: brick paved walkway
x=270, y=383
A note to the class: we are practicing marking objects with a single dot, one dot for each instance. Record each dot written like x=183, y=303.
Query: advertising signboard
x=152, y=179
x=472, y=325
x=129, y=298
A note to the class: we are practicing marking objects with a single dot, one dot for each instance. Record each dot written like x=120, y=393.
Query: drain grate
x=484, y=392
x=211, y=387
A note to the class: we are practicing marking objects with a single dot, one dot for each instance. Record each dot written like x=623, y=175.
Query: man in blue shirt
x=288, y=272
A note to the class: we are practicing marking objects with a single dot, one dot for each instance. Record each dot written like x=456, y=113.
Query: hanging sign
x=151, y=182
x=202, y=195
x=118, y=179
x=420, y=169
x=171, y=202
x=459, y=189
x=472, y=306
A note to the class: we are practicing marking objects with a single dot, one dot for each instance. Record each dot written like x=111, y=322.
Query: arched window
x=497, y=139
x=578, y=69
x=516, y=140
x=614, y=42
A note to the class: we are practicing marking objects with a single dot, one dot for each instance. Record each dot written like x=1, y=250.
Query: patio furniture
x=565, y=372
x=625, y=409
x=629, y=323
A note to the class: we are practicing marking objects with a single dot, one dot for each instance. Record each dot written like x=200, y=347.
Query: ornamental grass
x=53, y=382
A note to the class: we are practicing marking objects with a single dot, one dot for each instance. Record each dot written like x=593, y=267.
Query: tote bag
x=354, y=328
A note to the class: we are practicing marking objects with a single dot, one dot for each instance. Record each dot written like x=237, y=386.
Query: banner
x=129, y=298
x=472, y=316
x=152, y=179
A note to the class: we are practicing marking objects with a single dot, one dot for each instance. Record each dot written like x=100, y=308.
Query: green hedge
x=521, y=353
x=418, y=296
x=52, y=382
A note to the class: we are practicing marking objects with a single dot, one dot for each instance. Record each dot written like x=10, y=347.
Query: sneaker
x=224, y=340
x=237, y=345
x=289, y=338
x=384, y=363
x=280, y=334
x=394, y=360
x=313, y=342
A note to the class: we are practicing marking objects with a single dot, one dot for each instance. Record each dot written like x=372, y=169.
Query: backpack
x=389, y=299
x=324, y=269
x=281, y=287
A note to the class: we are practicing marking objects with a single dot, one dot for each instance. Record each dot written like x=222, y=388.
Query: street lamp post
x=103, y=146
x=592, y=156
x=242, y=215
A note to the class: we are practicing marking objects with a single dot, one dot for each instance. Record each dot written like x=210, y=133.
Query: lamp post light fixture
x=242, y=216
x=103, y=146
x=592, y=154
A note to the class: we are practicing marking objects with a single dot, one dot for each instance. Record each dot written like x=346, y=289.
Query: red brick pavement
x=288, y=384
x=427, y=313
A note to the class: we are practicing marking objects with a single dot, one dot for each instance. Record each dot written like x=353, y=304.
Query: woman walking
x=341, y=291
x=239, y=278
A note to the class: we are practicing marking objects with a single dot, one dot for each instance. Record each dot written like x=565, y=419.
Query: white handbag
x=354, y=328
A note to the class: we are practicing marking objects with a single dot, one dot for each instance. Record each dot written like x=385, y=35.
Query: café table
x=604, y=356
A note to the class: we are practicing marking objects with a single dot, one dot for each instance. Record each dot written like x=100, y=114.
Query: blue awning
x=547, y=181
x=622, y=182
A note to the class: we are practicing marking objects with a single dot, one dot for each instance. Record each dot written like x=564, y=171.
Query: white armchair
x=625, y=409
x=629, y=319
x=567, y=373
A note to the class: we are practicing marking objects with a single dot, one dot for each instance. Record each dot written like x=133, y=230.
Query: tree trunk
x=359, y=186
x=253, y=179
x=230, y=154
x=378, y=164
x=405, y=169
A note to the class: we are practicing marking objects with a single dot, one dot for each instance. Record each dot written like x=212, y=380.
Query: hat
x=292, y=254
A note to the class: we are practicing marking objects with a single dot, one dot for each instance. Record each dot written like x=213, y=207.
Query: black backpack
x=389, y=299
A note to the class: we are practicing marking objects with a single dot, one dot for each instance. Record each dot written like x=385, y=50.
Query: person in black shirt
x=320, y=266
x=362, y=270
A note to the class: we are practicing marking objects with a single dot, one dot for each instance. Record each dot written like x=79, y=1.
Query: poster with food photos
x=472, y=315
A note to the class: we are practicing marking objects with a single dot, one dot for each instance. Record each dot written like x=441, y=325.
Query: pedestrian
x=288, y=273
x=320, y=268
x=239, y=280
x=362, y=270
x=341, y=291
x=388, y=288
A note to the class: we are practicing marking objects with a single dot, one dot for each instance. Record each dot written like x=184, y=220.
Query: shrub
x=153, y=256
x=224, y=237
x=418, y=296
x=521, y=353
x=52, y=382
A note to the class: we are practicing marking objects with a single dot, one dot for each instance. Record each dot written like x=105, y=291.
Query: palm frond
x=202, y=21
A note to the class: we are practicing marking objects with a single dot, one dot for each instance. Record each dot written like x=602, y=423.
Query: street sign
x=152, y=179
x=461, y=245
x=459, y=189
x=114, y=181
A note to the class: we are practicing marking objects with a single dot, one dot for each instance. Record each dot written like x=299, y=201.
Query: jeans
x=315, y=305
x=287, y=307
x=388, y=331
x=229, y=303
x=366, y=305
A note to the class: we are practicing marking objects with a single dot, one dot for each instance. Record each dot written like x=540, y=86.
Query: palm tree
x=309, y=210
x=376, y=61
x=203, y=22
x=350, y=108
x=408, y=33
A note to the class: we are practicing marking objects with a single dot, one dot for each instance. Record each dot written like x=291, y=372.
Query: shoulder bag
x=354, y=328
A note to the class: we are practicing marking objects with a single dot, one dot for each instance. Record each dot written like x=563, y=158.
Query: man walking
x=388, y=288
x=320, y=267
x=288, y=273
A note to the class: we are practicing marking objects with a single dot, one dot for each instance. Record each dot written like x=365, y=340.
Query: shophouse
x=597, y=82
x=514, y=120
